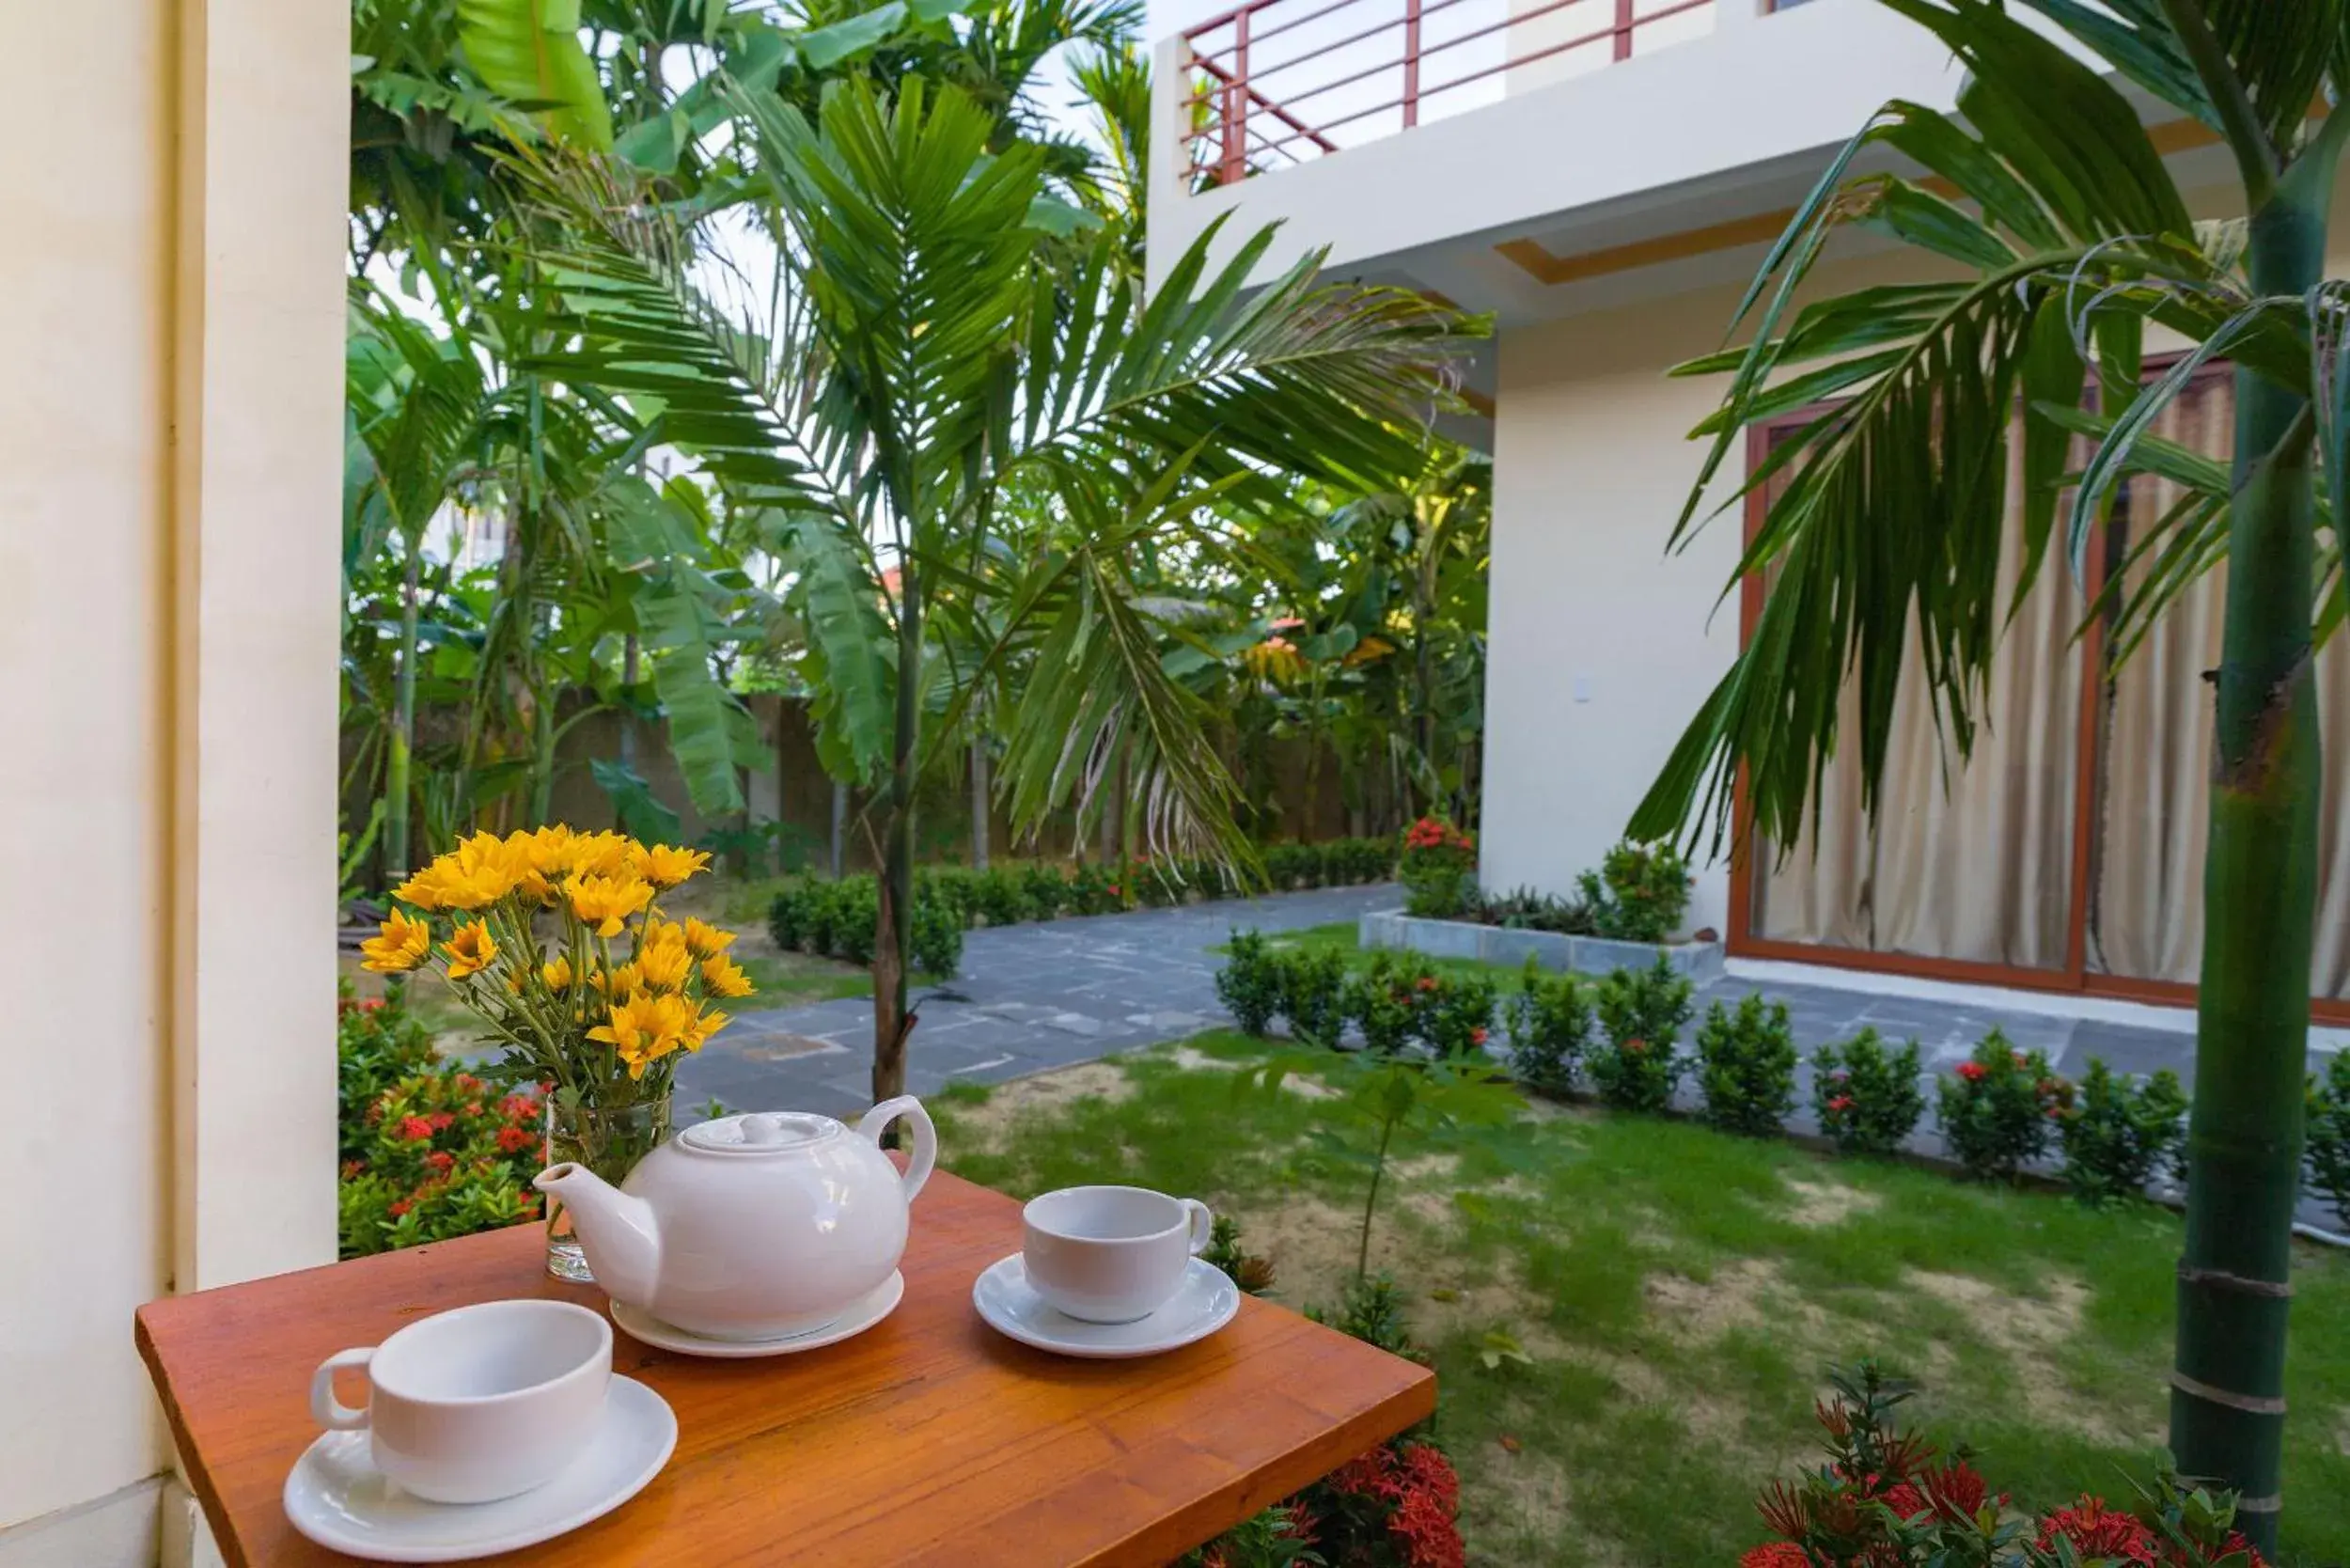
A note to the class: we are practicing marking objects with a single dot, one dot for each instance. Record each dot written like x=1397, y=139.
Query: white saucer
x=338, y=1498
x=866, y=1311
x=1205, y=1302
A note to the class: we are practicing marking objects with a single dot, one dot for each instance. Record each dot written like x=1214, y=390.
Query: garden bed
x=1677, y=1295
x=1509, y=946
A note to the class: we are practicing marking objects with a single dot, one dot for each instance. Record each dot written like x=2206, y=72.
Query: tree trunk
x=840, y=828
x=979, y=802
x=629, y=654
x=2260, y=900
x=396, y=769
x=1106, y=826
x=1423, y=687
x=542, y=705
x=893, y=927
x=1125, y=817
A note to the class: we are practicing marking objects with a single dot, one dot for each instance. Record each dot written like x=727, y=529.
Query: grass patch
x=788, y=979
x=1681, y=1293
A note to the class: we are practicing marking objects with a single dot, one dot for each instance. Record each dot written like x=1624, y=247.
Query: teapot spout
x=617, y=1229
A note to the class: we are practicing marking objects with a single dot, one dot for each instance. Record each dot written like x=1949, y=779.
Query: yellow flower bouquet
x=555, y=941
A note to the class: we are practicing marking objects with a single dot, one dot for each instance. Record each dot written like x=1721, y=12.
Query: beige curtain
x=2146, y=909
x=1970, y=859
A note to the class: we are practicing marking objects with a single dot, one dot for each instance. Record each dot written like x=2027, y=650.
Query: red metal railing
x=1349, y=70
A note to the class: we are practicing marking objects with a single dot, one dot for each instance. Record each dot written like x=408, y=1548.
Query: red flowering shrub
x=1438, y=869
x=1396, y=1507
x=1999, y=1113
x=1641, y=1012
x=1866, y=1094
x=1887, y=1498
x=377, y=1043
x=440, y=1154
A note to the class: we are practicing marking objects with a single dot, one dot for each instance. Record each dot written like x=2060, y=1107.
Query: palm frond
x=1099, y=691
x=418, y=400
x=1317, y=380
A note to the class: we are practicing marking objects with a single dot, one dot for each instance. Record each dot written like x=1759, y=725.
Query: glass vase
x=608, y=1141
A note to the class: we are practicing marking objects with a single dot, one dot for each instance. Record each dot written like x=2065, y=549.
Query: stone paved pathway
x=1032, y=997
x=1058, y=993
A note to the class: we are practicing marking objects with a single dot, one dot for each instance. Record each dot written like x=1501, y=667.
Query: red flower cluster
x=1428, y=832
x=1955, y=1491
x=1971, y=1071
x=1421, y=1494
x=442, y=1142
x=2098, y=1531
x=1886, y=1498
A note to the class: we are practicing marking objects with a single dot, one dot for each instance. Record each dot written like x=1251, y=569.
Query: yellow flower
x=664, y=867
x=423, y=889
x=606, y=902
x=704, y=940
x=521, y=854
x=626, y=980
x=601, y=854
x=664, y=962
x=550, y=850
x=474, y=875
x=643, y=1030
x=703, y=1026
x=403, y=945
x=556, y=972
x=469, y=949
x=722, y=977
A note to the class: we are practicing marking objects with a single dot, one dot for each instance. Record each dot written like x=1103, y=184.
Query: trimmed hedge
x=835, y=919
x=1618, y=1038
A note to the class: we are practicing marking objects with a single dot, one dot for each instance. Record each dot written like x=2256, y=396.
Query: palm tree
x=2047, y=189
x=933, y=335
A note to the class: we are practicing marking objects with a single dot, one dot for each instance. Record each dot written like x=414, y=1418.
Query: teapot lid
x=758, y=1133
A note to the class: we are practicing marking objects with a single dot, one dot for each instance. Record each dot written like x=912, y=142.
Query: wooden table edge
x=1295, y=1470
x=1154, y=1545
x=189, y=1457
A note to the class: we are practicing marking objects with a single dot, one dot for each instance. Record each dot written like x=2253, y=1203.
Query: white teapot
x=751, y=1227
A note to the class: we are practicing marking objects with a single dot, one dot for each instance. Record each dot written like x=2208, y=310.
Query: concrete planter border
x=1590, y=955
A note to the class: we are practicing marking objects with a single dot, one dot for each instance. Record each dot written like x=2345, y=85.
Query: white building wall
x=1756, y=89
x=1601, y=645
x=174, y=176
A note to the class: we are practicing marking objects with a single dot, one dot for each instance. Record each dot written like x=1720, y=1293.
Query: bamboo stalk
x=2260, y=902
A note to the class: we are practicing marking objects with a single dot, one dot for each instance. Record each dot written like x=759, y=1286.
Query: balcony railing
x=1282, y=82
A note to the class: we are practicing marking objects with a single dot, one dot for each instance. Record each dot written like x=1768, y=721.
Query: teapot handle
x=925, y=1138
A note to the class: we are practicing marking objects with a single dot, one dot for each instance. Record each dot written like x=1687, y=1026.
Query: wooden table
x=930, y=1438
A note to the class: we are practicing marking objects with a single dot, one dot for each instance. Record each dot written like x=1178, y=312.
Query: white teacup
x=1111, y=1254
x=477, y=1404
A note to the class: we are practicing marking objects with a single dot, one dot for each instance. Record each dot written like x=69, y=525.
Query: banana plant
x=933, y=333
x=2049, y=195
x=417, y=404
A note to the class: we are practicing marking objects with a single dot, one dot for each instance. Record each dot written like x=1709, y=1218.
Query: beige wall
x=170, y=307
x=1600, y=644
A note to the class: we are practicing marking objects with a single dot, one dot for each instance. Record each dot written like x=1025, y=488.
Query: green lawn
x=1679, y=1294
